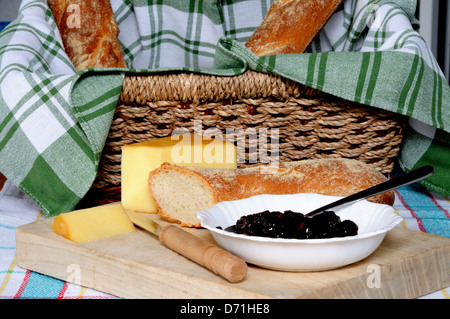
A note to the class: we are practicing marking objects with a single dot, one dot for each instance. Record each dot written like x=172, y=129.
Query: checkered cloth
x=54, y=121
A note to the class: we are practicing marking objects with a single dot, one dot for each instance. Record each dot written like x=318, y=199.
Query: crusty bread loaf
x=89, y=32
x=181, y=192
x=290, y=26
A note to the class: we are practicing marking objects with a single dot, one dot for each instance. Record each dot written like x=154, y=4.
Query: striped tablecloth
x=17, y=209
x=422, y=211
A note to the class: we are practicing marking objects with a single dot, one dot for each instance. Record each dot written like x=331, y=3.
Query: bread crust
x=334, y=177
x=290, y=26
x=91, y=41
x=166, y=167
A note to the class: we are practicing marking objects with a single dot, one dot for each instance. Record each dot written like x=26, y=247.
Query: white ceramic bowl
x=373, y=220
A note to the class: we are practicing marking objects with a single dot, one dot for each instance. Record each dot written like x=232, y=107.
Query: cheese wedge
x=85, y=225
x=139, y=159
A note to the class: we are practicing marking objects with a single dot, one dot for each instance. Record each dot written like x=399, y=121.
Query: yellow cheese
x=94, y=223
x=139, y=159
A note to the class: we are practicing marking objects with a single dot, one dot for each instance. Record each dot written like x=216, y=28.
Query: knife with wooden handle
x=206, y=254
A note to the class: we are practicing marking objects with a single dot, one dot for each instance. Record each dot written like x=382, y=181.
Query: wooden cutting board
x=408, y=264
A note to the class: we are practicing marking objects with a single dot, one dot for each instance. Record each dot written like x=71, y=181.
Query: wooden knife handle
x=208, y=255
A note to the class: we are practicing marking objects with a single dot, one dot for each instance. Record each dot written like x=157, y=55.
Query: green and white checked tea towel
x=54, y=121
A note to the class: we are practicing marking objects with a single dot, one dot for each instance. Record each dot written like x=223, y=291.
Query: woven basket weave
x=310, y=123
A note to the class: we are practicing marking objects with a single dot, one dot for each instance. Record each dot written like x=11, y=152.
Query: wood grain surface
x=408, y=264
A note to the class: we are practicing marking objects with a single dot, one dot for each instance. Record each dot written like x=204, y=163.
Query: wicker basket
x=310, y=123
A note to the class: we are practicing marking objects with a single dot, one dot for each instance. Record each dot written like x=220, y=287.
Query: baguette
x=181, y=192
x=89, y=32
x=290, y=26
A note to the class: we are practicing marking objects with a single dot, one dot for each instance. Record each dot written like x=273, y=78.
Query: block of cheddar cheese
x=139, y=159
x=89, y=224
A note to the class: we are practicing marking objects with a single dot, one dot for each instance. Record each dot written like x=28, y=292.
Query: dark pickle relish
x=275, y=224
